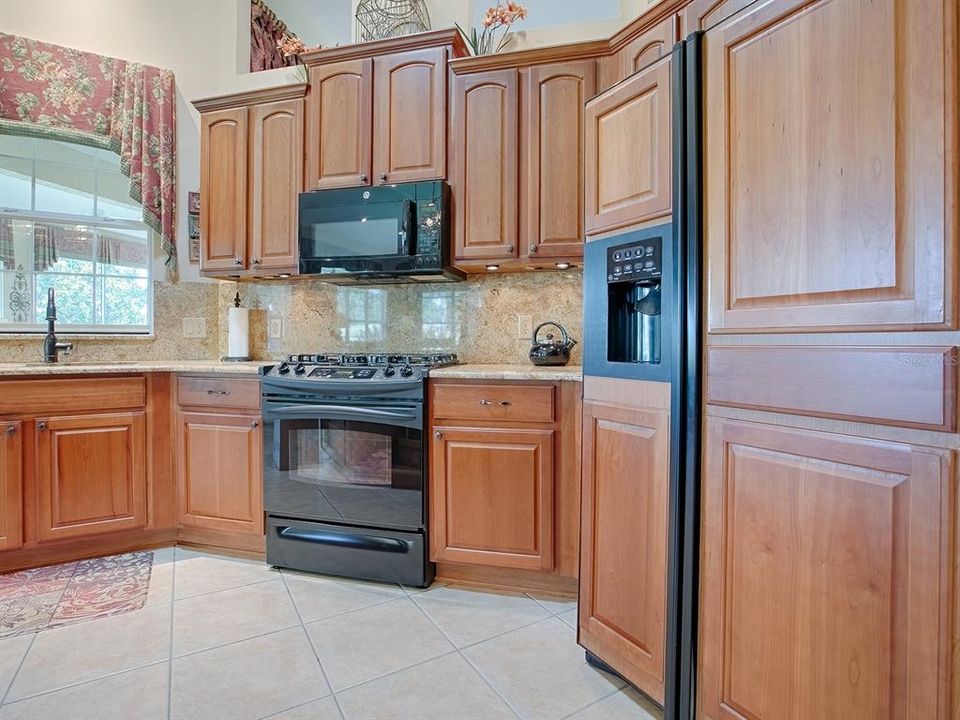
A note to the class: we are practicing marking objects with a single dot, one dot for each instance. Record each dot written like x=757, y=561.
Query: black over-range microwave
x=390, y=233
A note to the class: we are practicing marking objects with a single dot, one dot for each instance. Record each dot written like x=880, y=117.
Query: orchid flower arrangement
x=497, y=20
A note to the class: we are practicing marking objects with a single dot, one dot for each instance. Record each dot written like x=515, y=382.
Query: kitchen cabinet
x=11, y=484
x=643, y=49
x=824, y=577
x=90, y=474
x=828, y=204
x=629, y=152
x=504, y=482
x=410, y=116
x=623, y=546
x=251, y=172
x=339, y=124
x=377, y=120
x=219, y=445
x=484, y=128
x=517, y=165
x=495, y=500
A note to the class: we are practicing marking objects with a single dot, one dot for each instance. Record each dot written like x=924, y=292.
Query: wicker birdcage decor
x=377, y=19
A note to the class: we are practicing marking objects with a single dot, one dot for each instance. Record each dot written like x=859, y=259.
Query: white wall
x=206, y=44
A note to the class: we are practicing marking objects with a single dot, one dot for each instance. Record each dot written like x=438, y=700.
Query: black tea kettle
x=551, y=351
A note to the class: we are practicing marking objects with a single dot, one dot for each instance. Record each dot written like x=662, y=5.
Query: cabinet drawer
x=219, y=392
x=528, y=403
x=72, y=394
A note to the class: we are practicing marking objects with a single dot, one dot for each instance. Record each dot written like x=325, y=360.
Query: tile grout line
x=85, y=682
x=16, y=672
x=592, y=703
x=303, y=627
x=459, y=652
x=173, y=600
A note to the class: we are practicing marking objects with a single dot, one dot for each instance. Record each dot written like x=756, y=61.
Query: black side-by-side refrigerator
x=642, y=321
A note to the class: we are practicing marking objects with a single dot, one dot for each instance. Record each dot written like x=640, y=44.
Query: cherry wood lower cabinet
x=825, y=575
x=623, y=542
x=11, y=485
x=504, y=482
x=219, y=446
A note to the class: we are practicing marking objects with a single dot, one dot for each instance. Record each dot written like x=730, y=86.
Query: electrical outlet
x=194, y=327
x=524, y=326
x=274, y=328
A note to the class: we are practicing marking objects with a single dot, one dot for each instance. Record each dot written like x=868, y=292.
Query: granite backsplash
x=476, y=318
x=172, y=302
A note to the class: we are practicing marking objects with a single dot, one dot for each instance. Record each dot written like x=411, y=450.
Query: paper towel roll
x=238, y=332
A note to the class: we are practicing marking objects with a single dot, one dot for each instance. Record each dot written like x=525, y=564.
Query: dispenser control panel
x=639, y=260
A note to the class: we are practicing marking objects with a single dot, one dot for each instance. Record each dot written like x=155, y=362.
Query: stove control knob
x=300, y=368
x=389, y=371
x=406, y=371
x=283, y=368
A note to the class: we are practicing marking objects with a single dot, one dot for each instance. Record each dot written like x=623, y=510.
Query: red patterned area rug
x=48, y=597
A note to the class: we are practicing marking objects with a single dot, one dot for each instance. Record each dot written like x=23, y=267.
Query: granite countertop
x=132, y=366
x=509, y=372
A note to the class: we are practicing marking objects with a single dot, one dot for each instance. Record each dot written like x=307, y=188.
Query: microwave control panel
x=640, y=260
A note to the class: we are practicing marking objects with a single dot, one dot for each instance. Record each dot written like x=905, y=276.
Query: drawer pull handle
x=11, y=430
x=505, y=402
x=486, y=402
x=218, y=392
x=41, y=425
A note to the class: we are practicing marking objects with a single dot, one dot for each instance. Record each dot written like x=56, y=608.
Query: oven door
x=344, y=462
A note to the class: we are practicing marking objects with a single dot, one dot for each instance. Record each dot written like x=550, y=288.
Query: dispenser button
x=648, y=264
x=638, y=266
x=627, y=253
x=649, y=249
x=616, y=255
x=617, y=269
x=628, y=268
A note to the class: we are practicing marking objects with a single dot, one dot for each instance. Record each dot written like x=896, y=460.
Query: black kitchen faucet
x=51, y=347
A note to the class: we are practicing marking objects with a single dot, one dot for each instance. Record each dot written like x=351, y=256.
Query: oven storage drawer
x=365, y=553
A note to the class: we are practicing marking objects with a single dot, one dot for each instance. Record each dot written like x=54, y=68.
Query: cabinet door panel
x=649, y=47
x=11, y=485
x=484, y=127
x=276, y=179
x=629, y=152
x=623, y=540
x=553, y=164
x=826, y=205
x=824, y=576
x=90, y=474
x=411, y=111
x=220, y=471
x=340, y=124
x=223, y=190
x=492, y=497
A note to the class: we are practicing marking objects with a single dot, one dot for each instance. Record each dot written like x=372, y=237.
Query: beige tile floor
x=221, y=637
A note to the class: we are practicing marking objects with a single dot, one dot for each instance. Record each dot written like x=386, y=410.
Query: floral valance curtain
x=267, y=31
x=65, y=94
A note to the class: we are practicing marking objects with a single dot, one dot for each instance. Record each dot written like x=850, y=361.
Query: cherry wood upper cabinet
x=649, y=46
x=492, y=497
x=11, y=483
x=276, y=179
x=484, y=128
x=410, y=113
x=623, y=540
x=704, y=14
x=825, y=576
x=629, y=151
x=219, y=472
x=90, y=474
x=552, y=167
x=339, y=124
x=830, y=167
x=223, y=189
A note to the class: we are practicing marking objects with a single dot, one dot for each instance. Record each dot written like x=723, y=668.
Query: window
x=363, y=314
x=66, y=222
x=438, y=313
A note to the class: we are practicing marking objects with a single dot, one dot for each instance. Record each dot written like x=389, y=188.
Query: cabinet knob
x=383, y=177
x=509, y=248
x=256, y=261
x=255, y=424
x=438, y=434
x=11, y=430
x=363, y=177
x=533, y=249
x=41, y=425
x=238, y=261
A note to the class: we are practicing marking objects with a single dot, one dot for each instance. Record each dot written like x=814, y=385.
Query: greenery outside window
x=67, y=222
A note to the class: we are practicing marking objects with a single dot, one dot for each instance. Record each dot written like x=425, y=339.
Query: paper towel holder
x=238, y=338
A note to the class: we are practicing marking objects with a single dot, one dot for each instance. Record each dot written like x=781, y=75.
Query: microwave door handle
x=408, y=233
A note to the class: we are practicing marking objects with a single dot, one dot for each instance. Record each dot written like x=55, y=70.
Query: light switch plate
x=194, y=327
x=274, y=328
x=524, y=326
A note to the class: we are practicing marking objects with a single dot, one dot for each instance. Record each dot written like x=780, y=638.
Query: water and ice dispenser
x=634, y=301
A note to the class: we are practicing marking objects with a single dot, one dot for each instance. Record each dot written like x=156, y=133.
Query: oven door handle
x=340, y=412
x=357, y=542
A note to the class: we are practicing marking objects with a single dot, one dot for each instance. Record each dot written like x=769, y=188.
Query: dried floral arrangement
x=497, y=21
x=291, y=47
